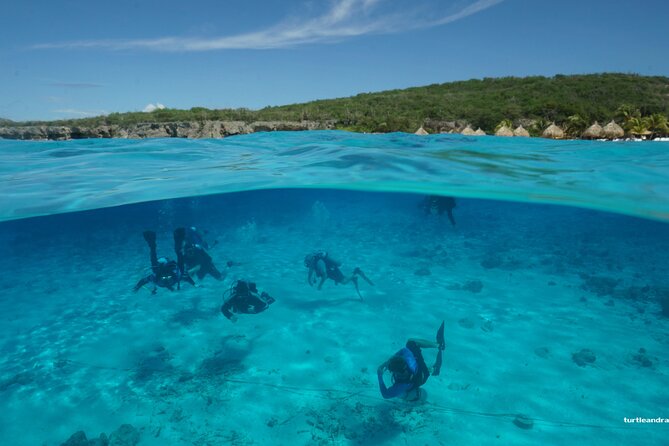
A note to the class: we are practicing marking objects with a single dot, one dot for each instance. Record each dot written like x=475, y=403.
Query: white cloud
x=153, y=107
x=80, y=113
x=344, y=19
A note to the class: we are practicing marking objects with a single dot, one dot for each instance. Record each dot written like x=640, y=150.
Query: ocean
x=551, y=280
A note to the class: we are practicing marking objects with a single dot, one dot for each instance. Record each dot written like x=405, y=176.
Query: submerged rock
x=542, y=352
x=474, y=286
x=523, y=421
x=599, y=285
x=20, y=379
x=76, y=439
x=584, y=357
x=492, y=262
x=642, y=359
x=79, y=439
x=487, y=325
x=467, y=322
x=126, y=435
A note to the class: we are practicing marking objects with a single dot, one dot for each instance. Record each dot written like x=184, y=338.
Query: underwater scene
x=327, y=288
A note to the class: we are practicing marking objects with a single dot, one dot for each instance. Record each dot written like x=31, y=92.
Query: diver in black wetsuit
x=322, y=266
x=196, y=256
x=164, y=272
x=244, y=298
x=440, y=205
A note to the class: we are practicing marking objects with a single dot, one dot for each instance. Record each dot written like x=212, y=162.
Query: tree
x=658, y=124
x=638, y=126
x=575, y=125
x=538, y=126
x=627, y=112
x=504, y=123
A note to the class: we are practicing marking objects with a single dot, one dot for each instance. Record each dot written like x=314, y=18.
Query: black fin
x=440, y=336
x=150, y=237
x=179, y=235
x=436, y=369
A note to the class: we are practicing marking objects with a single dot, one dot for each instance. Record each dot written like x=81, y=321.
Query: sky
x=62, y=59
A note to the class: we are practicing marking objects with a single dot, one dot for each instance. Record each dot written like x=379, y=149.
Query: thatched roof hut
x=421, y=131
x=553, y=132
x=468, y=131
x=613, y=130
x=520, y=131
x=504, y=131
x=479, y=132
x=595, y=131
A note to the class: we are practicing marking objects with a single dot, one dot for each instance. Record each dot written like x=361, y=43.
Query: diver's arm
x=423, y=343
x=393, y=391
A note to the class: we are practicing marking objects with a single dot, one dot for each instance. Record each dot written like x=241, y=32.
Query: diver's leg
x=256, y=304
x=358, y=271
x=179, y=235
x=150, y=238
x=207, y=267
x=450, y=216
x=141, y=283
x=321, y=272
x=215, y=273
x=201, y=272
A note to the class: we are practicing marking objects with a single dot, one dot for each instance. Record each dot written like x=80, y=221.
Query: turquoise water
x=43, y=178
x=551, y=311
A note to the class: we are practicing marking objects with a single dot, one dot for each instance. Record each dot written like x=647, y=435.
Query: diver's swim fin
x=359, y=272
x=150, y=237
x=179, y=236
x=436, y=369
x=440, y=336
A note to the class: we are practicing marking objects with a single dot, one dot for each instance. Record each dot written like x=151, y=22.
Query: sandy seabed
x=523, y=290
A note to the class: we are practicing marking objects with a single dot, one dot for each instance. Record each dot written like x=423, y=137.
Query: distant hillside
x=4, y=121
x=481, y=103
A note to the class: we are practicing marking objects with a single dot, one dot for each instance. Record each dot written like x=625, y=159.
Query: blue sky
x=77, y=58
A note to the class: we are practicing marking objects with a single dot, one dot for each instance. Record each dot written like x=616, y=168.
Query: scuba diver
x=196, y=256
x=408, y=369
x=440, y=205
x=322, y=266
x=243, y=297
x=165, y=273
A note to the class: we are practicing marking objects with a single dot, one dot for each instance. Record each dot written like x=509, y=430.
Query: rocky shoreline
x=188, y=129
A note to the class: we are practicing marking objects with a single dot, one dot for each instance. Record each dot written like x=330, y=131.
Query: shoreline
x=202, y=130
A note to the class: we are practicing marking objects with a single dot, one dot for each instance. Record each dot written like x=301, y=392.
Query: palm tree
x=638, y=126
x=627, y=112
x=658, y=124
x=575, y=125
x=504, y=123
x=538, y=126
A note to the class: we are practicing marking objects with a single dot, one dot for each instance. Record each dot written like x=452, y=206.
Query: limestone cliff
x=189, y=129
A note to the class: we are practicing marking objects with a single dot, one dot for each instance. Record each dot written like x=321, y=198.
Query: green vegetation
x=574, y=102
